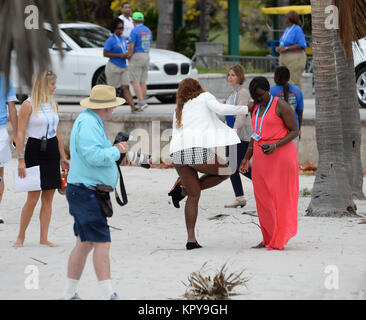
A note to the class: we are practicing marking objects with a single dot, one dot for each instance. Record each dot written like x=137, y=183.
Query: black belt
x=80, y=185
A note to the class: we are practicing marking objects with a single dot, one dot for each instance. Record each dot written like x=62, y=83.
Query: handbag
x=104, y=199
x=102, y=193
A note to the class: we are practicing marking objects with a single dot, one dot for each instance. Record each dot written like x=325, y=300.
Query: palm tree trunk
x=164, y=38
x=205, y=7
x=30, y=46
x=331, y=194
x=350, y=116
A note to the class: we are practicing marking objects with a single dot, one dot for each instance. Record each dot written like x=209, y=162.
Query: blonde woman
x=242, y=125
x=38, y=118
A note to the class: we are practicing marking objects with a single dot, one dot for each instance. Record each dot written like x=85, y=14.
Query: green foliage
x=306, y=193
x=151, y=21
x=184, y=41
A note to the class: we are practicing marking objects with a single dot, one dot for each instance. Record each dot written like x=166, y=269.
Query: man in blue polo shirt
x=7, y=99
x=93, y=162
x=138, y=48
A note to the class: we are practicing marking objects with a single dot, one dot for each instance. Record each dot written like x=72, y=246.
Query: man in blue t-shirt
x=7, y=99
x=138, y=48
x=289, y=92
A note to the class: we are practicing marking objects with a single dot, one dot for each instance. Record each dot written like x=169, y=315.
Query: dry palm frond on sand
x=220, y=287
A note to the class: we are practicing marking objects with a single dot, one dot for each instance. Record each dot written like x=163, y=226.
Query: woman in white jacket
x=197, y=132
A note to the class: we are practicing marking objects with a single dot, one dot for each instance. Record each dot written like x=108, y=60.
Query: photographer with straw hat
x=93, y=163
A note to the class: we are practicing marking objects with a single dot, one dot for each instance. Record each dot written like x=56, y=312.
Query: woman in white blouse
x=38, y=120
x=197, y=132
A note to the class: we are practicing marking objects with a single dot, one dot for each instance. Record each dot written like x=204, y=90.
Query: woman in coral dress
x=275, y=170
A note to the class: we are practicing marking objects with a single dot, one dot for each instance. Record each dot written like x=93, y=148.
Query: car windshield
x=88, y=37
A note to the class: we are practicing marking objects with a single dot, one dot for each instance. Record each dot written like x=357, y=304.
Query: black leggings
x=240, y=152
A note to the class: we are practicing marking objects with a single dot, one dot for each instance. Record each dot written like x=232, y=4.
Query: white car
x=83, y=64
x=360, y=67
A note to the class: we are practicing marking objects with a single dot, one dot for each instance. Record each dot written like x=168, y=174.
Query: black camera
x=265, y=147
x=43, y=144
x=143, y=160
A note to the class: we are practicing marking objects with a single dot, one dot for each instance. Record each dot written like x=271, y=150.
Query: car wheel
x=100, y=78
x=361, y=86
x=171, y=98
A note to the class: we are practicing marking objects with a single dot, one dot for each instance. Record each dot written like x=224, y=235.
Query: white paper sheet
x=32, y=181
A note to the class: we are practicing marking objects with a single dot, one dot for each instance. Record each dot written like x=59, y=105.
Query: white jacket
x=201, y=125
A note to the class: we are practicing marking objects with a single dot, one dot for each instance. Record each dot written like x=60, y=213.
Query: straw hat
x=102, y=97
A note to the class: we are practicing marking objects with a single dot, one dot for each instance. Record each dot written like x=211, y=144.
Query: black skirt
x=49, y=162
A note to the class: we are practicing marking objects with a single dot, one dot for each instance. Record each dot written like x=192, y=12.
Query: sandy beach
x=148, y=256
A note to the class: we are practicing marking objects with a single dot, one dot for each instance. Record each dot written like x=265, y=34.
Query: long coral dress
x=275, y=181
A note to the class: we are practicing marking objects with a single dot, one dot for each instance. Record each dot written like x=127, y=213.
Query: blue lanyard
x=121, y=44
x=256, y=118
x=286, y=34
x=236, y=95
x=48, y=122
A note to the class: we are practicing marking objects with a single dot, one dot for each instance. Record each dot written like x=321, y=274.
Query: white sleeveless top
x=37, y=125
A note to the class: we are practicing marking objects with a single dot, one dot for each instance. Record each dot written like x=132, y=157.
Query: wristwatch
x=20, y=156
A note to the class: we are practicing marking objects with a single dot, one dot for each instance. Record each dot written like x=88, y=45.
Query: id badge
x=282, y=43
x=256, y=137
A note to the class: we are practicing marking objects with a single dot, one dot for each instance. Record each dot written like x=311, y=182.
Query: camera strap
x=122, y=189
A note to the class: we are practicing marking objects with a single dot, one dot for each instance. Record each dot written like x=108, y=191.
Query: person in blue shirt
x=291, y=94
x=7, y=106
x=93, y=162
x=116, y=70
x=138, y=48
x=292, y=48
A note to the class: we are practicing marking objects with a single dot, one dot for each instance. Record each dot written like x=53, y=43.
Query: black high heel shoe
x=193, y=245
x=176, y=193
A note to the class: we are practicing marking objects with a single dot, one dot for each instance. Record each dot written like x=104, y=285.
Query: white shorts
x=5, y=152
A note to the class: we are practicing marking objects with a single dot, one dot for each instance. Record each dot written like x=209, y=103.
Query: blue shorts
x=90, y=223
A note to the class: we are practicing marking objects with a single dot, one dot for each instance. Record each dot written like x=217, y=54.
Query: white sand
x=148, y=256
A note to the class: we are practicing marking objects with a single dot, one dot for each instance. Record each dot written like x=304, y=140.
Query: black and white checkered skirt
x=193, y=156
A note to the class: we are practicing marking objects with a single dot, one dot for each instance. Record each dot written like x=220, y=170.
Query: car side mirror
x=64, y=47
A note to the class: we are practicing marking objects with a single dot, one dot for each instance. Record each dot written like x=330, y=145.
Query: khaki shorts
x=5, y=153
x=295, y=62
x=116, y=76
x=138, y=67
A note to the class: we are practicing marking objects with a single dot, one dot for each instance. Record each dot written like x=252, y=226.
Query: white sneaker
x=74, y=297
x=1, y=219
x=142, y=106
x=115, y=296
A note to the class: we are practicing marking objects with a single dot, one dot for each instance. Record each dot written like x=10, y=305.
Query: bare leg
x=128, y=96
x=143, y=90
x=138, y=92
x=2, y=186
x=45, y=216
x=214, y=174
x=101, y=260
x=259, y=246
x=78, y=258
x=193, y=190
x=26, y=217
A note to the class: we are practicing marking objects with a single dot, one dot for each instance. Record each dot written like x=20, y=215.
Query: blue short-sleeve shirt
x=5, y=97
x=295, y=100
x=116, y=44
x=93, y=158
x=141, y=36
x=293, y=35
